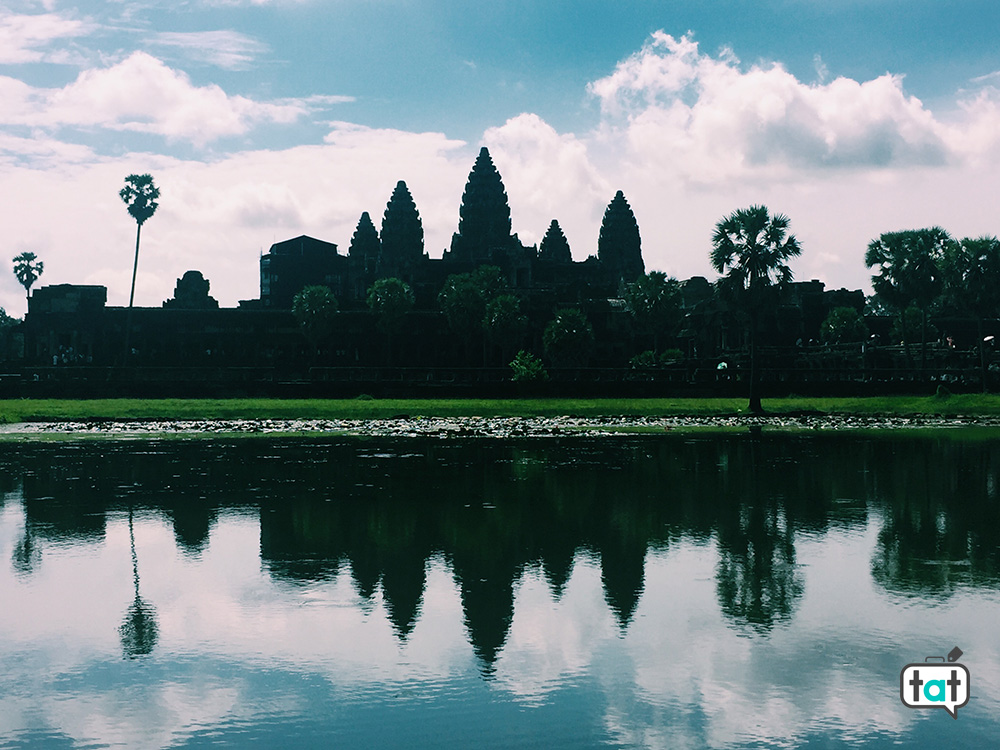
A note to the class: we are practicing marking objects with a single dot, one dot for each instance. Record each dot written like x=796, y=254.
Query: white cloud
x=548, y=176
x=142, y=94
x=41, y=151
x=224, y=48
x=976, y=135
x=27, y=38
x=707, y=119
x=994, y=76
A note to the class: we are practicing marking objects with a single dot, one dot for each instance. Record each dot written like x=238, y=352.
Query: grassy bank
x=26, y=410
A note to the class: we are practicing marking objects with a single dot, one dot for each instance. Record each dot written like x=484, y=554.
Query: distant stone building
x=191, y=293
x=484, y=237
x=294, y=264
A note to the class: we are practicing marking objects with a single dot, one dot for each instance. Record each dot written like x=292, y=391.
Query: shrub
x=528, y=368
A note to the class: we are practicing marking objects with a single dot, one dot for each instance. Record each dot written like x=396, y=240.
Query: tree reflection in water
x=27, y=553
x=941, y=526
x=382, y=510
x=757, y=581
x=138, y=631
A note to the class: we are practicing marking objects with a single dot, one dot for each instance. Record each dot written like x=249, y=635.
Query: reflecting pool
x=672, y=591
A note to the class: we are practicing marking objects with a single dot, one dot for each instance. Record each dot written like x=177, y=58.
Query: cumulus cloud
x=27, y=38
x=709, y=119
x=976, y=134
x=142, y=94
x=548, y=176
x=41, y=152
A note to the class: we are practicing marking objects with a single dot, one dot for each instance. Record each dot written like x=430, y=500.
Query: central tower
x=484, y=218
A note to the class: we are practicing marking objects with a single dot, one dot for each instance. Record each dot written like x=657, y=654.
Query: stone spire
x=554, y=247
x=402, y=233
x=365, y=244
x=619, y=247
x=484, y=218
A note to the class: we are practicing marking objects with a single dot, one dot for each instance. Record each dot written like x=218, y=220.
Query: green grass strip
x=30, y=410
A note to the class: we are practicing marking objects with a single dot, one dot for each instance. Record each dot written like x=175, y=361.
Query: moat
x=725, y=590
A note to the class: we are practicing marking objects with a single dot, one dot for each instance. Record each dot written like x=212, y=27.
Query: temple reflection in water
x=382, y=511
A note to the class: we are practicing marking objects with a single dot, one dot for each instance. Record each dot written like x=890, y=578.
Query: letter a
x=938, y=685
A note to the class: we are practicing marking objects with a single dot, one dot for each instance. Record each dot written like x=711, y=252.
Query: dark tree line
x=928, y=271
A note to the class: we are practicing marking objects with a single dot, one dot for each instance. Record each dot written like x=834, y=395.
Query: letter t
x=953, y=683
x=916, y=682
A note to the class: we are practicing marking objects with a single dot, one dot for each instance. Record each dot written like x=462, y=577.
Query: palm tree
x=504, y=323
x=140, y=196
x=909, y=273
x=27, y=269
x=568, y=338
x=315, y=309
x=654, y=302
x=390, y=299
x=138, y=630
x=752, y=249
x=464, y=299
x=971, y=269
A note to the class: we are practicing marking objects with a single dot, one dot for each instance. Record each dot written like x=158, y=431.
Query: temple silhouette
x=546, y=274
x=190, y=345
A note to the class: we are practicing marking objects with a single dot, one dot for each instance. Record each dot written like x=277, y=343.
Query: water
x=716, y=591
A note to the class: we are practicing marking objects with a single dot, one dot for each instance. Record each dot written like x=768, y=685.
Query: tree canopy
x=908, y=266
x=568, y=338
x=844, y=325
x=140, y=196
x=971, y=269
x=654, y=302
x=751, y=249
x=390, y=299
x=503, y=320
x=464, y=297
x=971, y=274
x=27, y=269
x=315, y=309
x=909, y=273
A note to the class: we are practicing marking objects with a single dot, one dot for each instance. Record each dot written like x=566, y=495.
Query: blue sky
x=265, y=119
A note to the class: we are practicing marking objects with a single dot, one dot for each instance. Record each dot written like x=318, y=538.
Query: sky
x=261, y=120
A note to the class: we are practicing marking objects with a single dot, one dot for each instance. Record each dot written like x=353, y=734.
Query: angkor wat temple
x=71, y=325
x=483, y=238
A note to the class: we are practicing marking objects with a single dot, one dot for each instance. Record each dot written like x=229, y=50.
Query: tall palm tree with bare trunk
x=140, y=196
x=751, y=249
